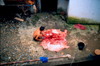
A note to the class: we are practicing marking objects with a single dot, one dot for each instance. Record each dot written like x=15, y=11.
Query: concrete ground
x=17, y=42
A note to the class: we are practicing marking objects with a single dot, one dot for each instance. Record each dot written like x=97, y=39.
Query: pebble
x=33, y=52
x=95, y=39
x=9, y=57
x=2, y=38
x=62, y=53
x=39, y=20
x=87, y=49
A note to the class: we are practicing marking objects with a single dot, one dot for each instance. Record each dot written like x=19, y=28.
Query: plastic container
x=81, y=45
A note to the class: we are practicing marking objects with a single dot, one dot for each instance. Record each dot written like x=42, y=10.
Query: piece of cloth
x=30, y=3
x=44, y=59
x=54, y=40
x=79, y=26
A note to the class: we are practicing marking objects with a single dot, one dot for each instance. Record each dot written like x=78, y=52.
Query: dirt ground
x=17, y=42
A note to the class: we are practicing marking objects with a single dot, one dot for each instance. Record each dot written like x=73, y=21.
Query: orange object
x=33, y=52
x=62, y=53
x=31, y=2
x=97, y=52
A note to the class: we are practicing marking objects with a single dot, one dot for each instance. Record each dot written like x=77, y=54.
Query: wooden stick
x=19, y=19
x=69, y=56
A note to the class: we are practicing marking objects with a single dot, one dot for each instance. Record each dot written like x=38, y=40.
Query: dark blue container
x=81, y=45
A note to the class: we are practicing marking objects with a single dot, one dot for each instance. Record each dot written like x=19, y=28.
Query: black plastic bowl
x=81, y=45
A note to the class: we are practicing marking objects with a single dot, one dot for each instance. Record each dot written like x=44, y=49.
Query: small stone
x=87, y=50
x=95, y=39
x=9, y=57
x=24, y=39
x=62, y=53
x=33, y=52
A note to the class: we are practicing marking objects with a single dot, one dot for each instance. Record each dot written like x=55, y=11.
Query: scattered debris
x=95, y=39
x=15, y=42
x=33, y=52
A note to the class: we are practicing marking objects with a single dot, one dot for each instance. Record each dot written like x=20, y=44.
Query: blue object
x=90, y=55
x=81, y=45
x=44, y=59
x=43, y=37
x=13, y=28
x=46, y=17
x=29, y=5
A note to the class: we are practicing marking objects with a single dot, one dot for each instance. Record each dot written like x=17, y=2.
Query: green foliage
x=82, y=20
x=76, y=20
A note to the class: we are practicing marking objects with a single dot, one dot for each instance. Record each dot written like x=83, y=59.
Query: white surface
x=85, y=9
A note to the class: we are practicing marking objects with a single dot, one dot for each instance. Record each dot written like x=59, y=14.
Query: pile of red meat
x=54, y=40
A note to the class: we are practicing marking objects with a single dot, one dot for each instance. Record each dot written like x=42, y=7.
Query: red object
x=79, y=26
x=54, y=40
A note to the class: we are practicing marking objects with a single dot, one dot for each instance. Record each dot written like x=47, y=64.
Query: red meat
x=54, y=40
x=79, y=26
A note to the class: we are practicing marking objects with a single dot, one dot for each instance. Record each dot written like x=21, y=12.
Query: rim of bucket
x=81, y=43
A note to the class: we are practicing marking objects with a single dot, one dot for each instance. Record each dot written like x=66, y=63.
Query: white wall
x=85, y=9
